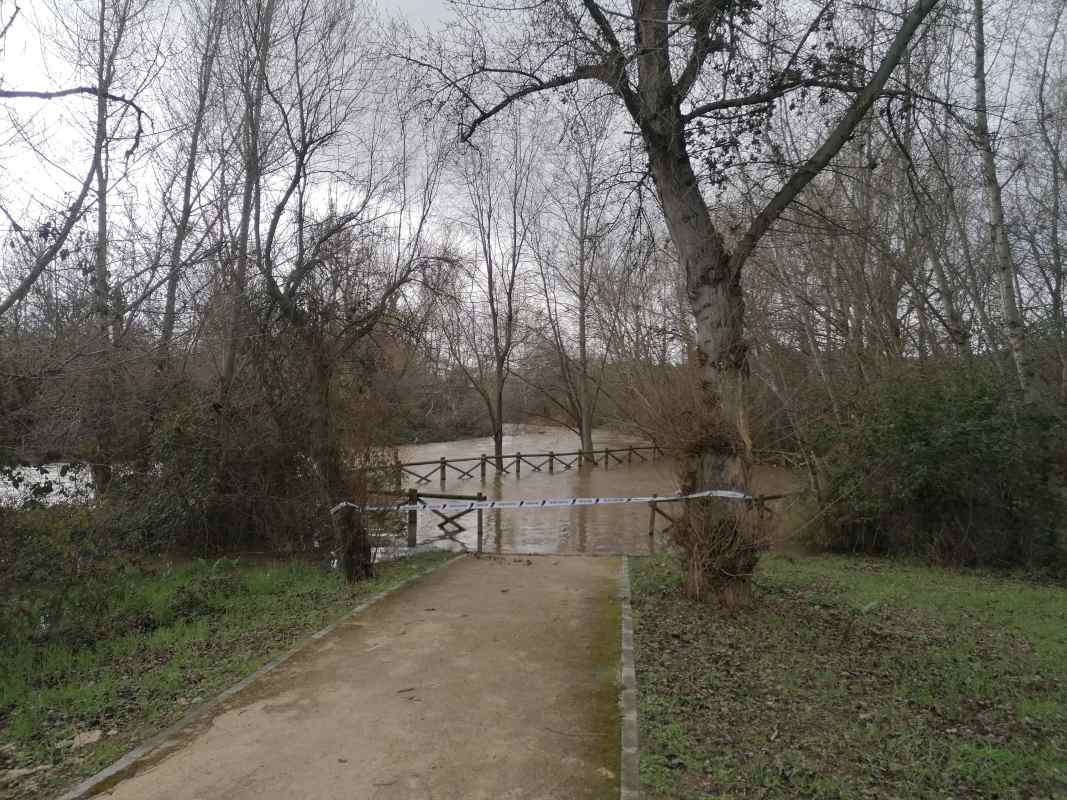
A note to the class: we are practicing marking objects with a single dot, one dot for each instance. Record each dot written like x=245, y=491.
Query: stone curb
x=206, y=709
x=630, y=777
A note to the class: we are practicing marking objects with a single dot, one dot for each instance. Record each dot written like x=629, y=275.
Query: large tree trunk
x=722, y=545
x=729, y=540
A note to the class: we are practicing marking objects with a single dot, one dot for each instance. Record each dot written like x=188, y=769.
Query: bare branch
x=91, y=91
x=45, y=257
x=837, y=138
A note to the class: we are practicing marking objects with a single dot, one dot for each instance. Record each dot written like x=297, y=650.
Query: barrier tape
x=560, y=502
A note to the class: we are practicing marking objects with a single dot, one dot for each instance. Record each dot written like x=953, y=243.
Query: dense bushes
x=946, y=464
x=228, y=479
x=55, y=566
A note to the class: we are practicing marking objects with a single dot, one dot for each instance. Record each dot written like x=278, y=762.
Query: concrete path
x=490, y=679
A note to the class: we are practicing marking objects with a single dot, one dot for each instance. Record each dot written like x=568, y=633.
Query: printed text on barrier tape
x=561, y=502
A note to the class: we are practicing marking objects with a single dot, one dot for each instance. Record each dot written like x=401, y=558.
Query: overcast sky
x=25, y=65
x=427, y=11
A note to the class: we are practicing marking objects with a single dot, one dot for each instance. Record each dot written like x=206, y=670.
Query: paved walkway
x=491, y=679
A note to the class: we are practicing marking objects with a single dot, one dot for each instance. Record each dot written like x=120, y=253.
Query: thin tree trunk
x=585, y=393
x=251, y=128
x=1053, y=148
x=1014, y=327
x=103, y=405
x=498, y=417
x=181, y=231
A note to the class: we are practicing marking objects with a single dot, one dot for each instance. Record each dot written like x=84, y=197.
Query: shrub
x=945, y=464
x=56, y=564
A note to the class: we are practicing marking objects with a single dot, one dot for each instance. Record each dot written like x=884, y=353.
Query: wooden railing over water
x=512, y=463
x=449, y=526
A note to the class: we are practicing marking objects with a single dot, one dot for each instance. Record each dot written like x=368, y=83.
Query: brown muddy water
x=592, y=530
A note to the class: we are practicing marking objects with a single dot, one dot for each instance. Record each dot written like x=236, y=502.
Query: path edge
x=630, y=773
x=203, y=710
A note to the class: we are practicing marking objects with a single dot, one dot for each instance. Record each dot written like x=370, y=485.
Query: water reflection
x=605, y=529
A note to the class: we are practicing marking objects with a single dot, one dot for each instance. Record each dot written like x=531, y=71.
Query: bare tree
x=666, y=63
x=207, y=23
x=1046, y=182
x=483, y=315
x=47, y=248
x=1014, y=326
x=586, y=208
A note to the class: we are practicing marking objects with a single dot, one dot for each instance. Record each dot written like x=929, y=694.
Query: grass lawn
x=181, y=635
x=853, y=678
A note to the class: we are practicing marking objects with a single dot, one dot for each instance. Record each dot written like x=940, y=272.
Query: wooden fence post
x=481, y=522
x=413, y=518
x=607, y=455
x=518, y=464
x=551, y=461
x=357, y=562
x=652, y=517
x=483, y=466
x=444, y=469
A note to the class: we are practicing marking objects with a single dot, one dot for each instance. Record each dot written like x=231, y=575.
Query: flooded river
x=591, y=529
x=605, y=529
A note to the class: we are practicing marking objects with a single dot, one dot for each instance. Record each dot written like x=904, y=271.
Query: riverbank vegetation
x=252, y=245
x=119, y=655
x=332, y=233
x=850, y=678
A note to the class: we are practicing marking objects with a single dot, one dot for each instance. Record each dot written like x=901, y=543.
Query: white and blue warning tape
x=555, y=502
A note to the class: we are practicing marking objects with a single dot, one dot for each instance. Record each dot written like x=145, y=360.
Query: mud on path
x=492, y=678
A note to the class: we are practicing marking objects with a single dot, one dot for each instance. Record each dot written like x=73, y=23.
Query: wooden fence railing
x=449, y=524
x=450, y=514
x=513, y=463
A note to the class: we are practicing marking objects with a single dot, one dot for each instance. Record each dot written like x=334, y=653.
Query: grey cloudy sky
x=429, y=12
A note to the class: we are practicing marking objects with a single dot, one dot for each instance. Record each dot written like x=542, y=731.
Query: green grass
x=151, y=645
x=853, y=678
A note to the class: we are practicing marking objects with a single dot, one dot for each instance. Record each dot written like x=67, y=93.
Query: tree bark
x=205, y=72
x=498, y=418
x=1012, y=320
x=254, y=89
x=721, y=553
x=356, y=555
x=103, y=405
x=585, y=389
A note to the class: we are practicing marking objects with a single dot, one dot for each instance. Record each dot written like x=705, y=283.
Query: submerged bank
x=157, y=643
